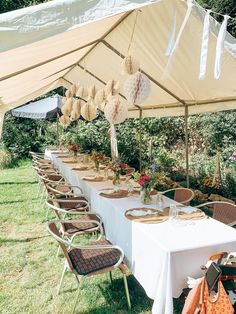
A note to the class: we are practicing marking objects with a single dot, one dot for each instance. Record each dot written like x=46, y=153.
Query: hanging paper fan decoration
x=65, y=111
x=64, y=120
x=73, y=89
x=100, y=97
x=76, y=106
x=68, y=93
x=92, y=92
x=74, y=115
x=112, y=88
x=115, y=111
x=137, y=88
x=89, y=111
x=82, y=92
x=130, y=65
x=103, y=105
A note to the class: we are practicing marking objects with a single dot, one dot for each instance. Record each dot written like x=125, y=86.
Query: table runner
x=161, y=256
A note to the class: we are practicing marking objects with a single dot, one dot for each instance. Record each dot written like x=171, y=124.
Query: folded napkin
x=80, y=168
x=138, y=213
x=93, y=178
x=114, y=194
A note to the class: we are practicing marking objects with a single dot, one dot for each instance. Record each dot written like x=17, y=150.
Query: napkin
x=108, y=191
x=138, y=213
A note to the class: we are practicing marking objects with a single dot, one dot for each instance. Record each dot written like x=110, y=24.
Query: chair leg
x=110, y=276
x=77, y=295
x=127, y=291
x=62, y=277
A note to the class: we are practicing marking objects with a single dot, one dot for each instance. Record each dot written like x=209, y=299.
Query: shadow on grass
x=5, y=240
x=22, y=182
x=18, y=201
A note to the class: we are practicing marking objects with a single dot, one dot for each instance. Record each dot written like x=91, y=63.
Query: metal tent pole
x=140, y=138
x=186, y=145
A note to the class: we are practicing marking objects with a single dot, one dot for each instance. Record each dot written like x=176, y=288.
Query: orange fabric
x=193, y=298
x=222, y=304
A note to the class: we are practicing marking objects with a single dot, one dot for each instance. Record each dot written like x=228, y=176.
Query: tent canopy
x=46, y=108
x=61, y=42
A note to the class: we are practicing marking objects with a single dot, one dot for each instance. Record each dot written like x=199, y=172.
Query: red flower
x=123, y=166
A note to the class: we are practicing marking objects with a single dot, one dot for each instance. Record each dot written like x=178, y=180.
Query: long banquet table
x=162, y=255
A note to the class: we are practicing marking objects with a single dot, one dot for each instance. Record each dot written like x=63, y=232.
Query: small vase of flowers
x=118, y=168
x=74, y=149
x=147, y=180
x=97, y=158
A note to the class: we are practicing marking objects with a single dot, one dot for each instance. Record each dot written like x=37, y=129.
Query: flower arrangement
x=118, y=168
x=74, y=149
x=97, y=158
x=147, y=179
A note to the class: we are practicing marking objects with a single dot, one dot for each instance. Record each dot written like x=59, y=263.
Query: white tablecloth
x=161, y=256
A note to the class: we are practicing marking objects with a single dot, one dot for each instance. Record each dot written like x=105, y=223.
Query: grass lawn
x=30, y=270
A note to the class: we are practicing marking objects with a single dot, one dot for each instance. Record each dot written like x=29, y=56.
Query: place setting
x=174, y=213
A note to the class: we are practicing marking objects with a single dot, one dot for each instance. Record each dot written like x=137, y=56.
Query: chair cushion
x=89, y=261
x=79, y=225
x=75, y=204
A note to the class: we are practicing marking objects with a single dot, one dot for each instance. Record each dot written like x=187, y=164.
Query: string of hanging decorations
x=174, y=40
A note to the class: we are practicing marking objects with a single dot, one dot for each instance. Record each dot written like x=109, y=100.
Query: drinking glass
x=173, y=212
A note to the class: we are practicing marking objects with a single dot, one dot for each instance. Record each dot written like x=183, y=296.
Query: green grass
x=29, y=269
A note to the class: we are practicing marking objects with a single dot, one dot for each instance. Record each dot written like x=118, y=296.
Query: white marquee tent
x=64, y=41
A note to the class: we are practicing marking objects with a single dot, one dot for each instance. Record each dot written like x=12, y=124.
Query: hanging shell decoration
x=68, y=94
x=112, y=88
x=137, y=88
x=82, y=92
x=89, y=110
x=115, y=111
x=92, y=92
x=130, y=65
x=64, y=120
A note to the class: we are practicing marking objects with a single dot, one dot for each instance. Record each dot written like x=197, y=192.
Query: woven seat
x=79, y=225
x=222, y=211
x=95, y=258
x=89, y=261
x=74, y=204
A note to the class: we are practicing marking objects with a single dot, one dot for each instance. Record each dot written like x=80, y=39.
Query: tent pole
x=186, y=145
x=140, y=138
x=57, y=130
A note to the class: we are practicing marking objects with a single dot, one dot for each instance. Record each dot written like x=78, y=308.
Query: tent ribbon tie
x=186, y=18
x=204, y=48
x=219, y=47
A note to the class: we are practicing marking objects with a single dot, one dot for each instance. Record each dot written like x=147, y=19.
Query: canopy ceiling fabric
x=92, y=52
x=46, y=108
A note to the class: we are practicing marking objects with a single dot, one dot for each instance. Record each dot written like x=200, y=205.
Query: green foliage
x=10, y=5
x=165, y=160
x=5, y=157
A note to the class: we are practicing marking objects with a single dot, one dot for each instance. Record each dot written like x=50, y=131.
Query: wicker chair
x=74, y=207
x=181, y=195
x=222, y=211
x=129, y=171
x=97, y=258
